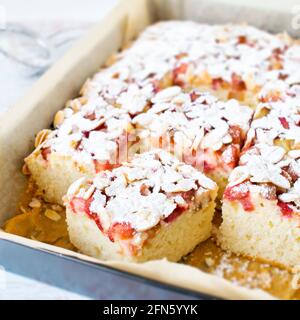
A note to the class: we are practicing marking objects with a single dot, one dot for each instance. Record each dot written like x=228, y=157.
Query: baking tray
x=155, y=279
x=87, y=278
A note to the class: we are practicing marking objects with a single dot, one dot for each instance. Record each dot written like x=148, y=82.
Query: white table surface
x=45, y=16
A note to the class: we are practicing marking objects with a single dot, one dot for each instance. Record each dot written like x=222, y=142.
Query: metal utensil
x=31, y=50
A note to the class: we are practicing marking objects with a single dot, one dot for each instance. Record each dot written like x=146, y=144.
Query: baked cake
x=198, y=128
x=261, y=206
x=277, y=117
x=152, y=207
x=201, y=130
x=232, y=61
x=187, y=88
x=85, y=142
x=261, y=203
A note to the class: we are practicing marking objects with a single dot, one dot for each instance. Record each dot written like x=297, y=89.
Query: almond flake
x=52, y=215
x=144, y=191
x=166, y=94
x=75, y=186
x=41, y=137
x=59, y=118
x=89, y=192
x=238, y=175
x=35, y=203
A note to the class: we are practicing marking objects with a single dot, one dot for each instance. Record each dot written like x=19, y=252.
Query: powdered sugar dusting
x=277, y=118
x=273, y=171
x=174, y=112
x=146, y=190
x=149, y=74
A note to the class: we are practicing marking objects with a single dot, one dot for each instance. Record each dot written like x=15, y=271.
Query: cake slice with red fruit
x=277, y=117
x=236, y=62
x=198, y=128
x=261, y=206
x=149, y=208
x=85, y=141
x=231, y=61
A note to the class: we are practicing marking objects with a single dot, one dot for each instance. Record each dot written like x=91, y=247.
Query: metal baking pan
x=87, y=278
x=77, y=272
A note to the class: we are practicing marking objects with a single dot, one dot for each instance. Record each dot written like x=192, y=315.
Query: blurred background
x=58, y=23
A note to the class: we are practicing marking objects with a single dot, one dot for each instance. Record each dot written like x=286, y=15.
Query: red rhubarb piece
x=284, y=122
x=178, y=71
x=240, y=193
x=45, y=152
x=121, y=231
x=237, y=82
x=286, y=210
x=81, y=205
x=236, y=134
x=101, y=166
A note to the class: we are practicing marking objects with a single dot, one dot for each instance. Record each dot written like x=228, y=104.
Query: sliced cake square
x=150, y=208
x=261, y=206
x=86, y=141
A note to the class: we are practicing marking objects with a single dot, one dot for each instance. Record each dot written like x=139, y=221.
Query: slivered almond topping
x=261, y=165
x=35, y=203
x=25, y=170
x=76, y=185
x=274, y=168
x=166, y=94
x=41, y=137
x=199, y=123
x=144, y=76
x=144, y=191
x=89, y=192
x=52, y=215
x=281, y=122
x=57, y=208
x=295, y=284
x=59, y=118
